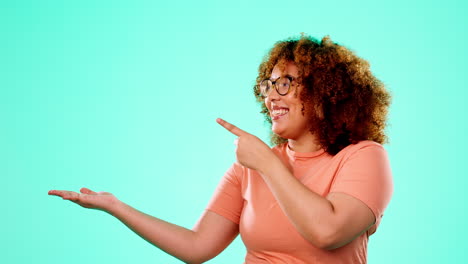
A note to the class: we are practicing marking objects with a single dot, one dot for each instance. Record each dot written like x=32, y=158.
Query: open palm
x=88, y=198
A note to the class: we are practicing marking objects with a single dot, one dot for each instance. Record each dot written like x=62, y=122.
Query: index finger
x=232, y=128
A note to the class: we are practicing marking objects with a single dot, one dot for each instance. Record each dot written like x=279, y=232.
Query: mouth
x=278, y=112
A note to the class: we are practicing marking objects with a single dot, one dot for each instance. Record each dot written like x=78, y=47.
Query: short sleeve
x=227, y=199
x=366, y=175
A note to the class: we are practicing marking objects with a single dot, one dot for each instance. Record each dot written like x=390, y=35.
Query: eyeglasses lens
x=265, y=87
x=282, y=86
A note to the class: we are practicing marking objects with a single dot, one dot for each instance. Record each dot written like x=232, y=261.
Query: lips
x=278, y=112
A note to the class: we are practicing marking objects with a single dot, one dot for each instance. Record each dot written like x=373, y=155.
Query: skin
x=326, y=222
x=292, y=125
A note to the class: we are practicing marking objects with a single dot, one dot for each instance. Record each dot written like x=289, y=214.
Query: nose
x=273, y=95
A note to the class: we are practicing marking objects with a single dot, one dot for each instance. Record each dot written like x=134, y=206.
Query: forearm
x=173, y=239
x=310, y=213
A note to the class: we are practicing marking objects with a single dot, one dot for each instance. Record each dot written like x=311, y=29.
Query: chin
x=280, y=132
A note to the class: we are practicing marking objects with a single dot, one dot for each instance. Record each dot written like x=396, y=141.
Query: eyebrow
x=286, y=75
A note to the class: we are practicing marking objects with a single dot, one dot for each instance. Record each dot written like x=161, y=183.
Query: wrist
x=273, y=164
x=115, y=207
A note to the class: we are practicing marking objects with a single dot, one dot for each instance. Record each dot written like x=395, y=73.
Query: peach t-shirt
x=361, y=170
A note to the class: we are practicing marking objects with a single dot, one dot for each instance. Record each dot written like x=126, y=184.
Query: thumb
x=87, y=191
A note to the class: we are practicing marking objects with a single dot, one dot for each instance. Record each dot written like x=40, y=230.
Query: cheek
x=299, y=108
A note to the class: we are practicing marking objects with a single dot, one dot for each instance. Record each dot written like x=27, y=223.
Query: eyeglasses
x=282, y=85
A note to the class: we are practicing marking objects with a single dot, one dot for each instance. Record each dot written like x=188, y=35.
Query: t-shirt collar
x=295, y=155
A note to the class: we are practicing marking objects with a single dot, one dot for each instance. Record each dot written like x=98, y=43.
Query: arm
x=326, y=222
x=209, y=237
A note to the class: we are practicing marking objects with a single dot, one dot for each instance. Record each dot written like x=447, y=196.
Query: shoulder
x=362, y=144
x=365, y=174
x=365, y=147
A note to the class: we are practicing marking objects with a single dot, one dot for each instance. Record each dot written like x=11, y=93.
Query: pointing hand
x=251, y=152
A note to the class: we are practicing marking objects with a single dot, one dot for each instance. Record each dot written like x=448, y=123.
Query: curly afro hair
x=344, y=101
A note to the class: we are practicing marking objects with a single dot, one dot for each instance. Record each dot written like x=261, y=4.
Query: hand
x=88, y=199
x=251, y=152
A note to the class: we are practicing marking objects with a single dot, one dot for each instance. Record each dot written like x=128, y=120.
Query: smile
x=277, y=113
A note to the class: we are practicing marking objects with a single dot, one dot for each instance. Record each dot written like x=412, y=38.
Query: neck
x=307, y=143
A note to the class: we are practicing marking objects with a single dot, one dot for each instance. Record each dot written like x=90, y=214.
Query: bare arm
x=211, y=235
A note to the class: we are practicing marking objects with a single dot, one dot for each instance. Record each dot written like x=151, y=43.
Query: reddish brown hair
x=345, y=102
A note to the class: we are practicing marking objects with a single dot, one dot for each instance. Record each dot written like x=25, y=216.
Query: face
x=286, y=112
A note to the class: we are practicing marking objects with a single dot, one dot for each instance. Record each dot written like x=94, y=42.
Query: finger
x=56, y=193
x=67, y=195
x=232, y=128
x=87, y=191
x=74, y=197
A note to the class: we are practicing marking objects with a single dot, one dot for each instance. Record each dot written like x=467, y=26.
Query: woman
x=315, y=197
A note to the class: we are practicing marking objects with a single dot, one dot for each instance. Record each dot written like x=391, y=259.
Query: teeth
x=279, y=112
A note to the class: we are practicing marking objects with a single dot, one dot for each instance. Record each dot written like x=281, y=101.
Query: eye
x=283, y=82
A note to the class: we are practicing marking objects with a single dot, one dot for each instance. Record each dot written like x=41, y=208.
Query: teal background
x=122, y=96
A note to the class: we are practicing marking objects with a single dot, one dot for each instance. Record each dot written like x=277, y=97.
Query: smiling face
x=289, y=120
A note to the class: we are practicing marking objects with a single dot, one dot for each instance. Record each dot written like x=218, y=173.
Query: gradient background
x=122, y=96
